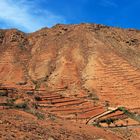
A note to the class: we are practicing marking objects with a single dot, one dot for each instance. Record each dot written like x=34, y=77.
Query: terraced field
x=71, y=72
x=74, y=108
x=117, y=81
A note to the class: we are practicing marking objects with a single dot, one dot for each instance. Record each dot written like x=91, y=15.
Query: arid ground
x=70, y=82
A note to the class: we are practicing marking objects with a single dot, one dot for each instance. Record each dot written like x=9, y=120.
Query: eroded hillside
x=74, y=71
x=86, y=58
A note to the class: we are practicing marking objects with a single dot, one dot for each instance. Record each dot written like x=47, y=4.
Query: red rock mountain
x=57, y=81
x=82, y=59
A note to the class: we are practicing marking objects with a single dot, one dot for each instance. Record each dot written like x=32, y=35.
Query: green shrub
x=39, y=115
x=3, y=93
x=23, y=105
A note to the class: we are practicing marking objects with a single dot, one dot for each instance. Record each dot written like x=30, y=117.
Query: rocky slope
x=19, y=125
x=86, y=58
x=71, y=73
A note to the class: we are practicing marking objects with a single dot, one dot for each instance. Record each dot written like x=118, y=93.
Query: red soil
x=76, y=70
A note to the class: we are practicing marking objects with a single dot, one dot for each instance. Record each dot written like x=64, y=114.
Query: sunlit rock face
x=80, y=59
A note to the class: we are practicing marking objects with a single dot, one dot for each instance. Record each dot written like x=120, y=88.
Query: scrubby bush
x=34, y=112
x=23, y=105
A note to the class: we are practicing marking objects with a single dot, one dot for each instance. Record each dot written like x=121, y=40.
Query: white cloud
x=26, y=15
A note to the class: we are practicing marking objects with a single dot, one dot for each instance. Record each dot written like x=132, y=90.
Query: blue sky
x=31, y=15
